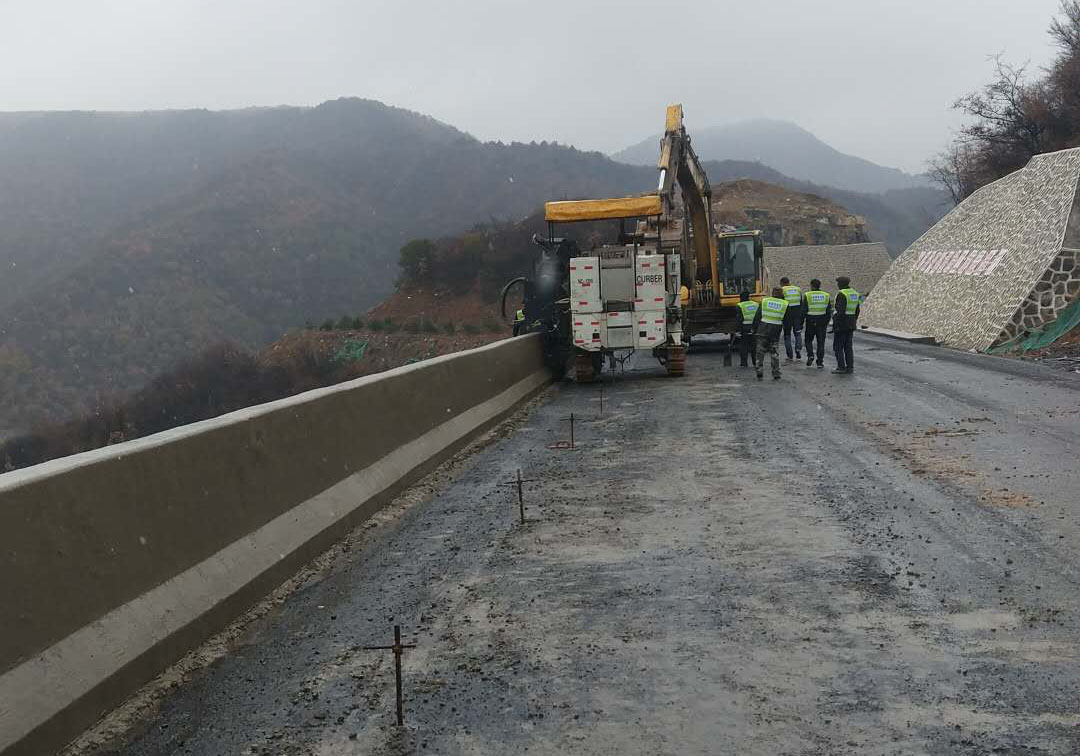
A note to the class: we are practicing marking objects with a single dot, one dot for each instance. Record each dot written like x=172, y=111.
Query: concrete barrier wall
x=116, y=562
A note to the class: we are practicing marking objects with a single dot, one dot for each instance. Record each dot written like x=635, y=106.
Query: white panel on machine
x=589, y=330
x=585, y=285
x=674, y=273
x=651, y=292
x=617, y=273
x=621, y=337
x=651, y=329
x=620, y=319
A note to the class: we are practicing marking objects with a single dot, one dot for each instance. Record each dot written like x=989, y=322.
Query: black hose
x=505, y=291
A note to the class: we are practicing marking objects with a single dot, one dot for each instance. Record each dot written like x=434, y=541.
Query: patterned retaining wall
x=1057, y=288
x=1003, y=262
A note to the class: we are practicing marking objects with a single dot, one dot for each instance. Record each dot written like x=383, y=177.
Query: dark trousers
x=518, y=325
x=746, y=348
x=841, y=346
x=816, y=327
x=793, y=337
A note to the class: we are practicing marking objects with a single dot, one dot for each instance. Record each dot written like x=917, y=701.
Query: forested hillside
x=141, y=239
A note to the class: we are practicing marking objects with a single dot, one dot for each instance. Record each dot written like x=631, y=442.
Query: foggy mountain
x=789, y=149
x=131, y=241
x=134, y=240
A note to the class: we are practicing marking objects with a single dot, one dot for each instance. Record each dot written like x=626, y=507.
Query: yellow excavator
x=722, y=264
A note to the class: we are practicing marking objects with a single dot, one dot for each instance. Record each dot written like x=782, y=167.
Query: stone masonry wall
x=973, y=278
x=1056, y=290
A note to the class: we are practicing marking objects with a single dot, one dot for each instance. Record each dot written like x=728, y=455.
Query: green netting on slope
x=351, y=351
x=1068, y=319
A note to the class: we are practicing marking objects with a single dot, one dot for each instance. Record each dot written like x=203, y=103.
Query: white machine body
x=621, y=299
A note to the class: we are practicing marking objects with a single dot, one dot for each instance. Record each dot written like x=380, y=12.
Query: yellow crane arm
x=570, y=211
x=679, y=165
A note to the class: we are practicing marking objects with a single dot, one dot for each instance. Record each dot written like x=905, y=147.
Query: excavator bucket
x=673, y=121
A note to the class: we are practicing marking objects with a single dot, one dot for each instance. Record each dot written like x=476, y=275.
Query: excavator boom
x=679, y=166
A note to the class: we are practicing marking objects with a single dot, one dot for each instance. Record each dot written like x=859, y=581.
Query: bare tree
x=1066, y=30
x=1007, y=111
x=1015, y=116
x=953, y=168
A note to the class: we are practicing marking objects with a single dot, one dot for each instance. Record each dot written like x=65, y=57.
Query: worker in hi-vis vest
x=818, y=306
x=768, y=324
x=744, y=322
x=848, y=303
x=792, y=319
x=519, y=320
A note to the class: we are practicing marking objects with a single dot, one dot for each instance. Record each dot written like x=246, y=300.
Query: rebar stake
x=565, y=444
x=519, y=484
x=397, y=648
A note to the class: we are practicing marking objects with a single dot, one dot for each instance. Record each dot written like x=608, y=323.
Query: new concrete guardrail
x=116, y=562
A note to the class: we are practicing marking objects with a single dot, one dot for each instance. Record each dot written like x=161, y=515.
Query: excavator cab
x=740, y=262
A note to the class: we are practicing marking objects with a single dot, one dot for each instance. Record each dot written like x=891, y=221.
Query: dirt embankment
x=785, y=217
x=439, y=307
x=412, y=324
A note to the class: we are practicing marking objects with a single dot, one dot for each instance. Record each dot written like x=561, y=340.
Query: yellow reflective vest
x=772, y=310
x=748, y=309
x=793, y=295
x=851, y=302
x=817, y=302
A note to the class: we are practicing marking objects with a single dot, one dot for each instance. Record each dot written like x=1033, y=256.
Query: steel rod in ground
x=397, y=674
x=397, y=648
x=521, y=497
x=571, y=430
x=519, y=483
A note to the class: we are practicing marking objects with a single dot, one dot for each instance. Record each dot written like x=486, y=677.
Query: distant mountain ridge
x=787, y=148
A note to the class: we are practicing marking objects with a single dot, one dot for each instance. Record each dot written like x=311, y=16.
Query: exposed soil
x=380, y=350
x=412, y=324
x=1063, y=354
x=441, y=307
x=786, y=217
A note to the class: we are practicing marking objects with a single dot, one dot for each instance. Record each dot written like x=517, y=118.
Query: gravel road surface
x=883, y=563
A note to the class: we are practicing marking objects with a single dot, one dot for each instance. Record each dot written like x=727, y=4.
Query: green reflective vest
x=817, y=302
x=852, y=301
x=748, y=309
x=772, y=310
x=519, y=316
x=793, y=295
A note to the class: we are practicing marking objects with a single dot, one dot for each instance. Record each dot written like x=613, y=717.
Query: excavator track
x=583, y=368
x=676, y=361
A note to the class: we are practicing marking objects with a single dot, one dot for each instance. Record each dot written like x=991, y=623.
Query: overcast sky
x=875, y=78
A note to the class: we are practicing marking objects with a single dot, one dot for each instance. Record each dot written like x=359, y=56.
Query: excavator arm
x=679, y=166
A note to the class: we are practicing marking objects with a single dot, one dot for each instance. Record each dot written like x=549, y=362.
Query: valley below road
x=882, y=563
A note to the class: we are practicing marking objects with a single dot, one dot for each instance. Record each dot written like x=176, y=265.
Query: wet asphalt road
x=883, y=563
